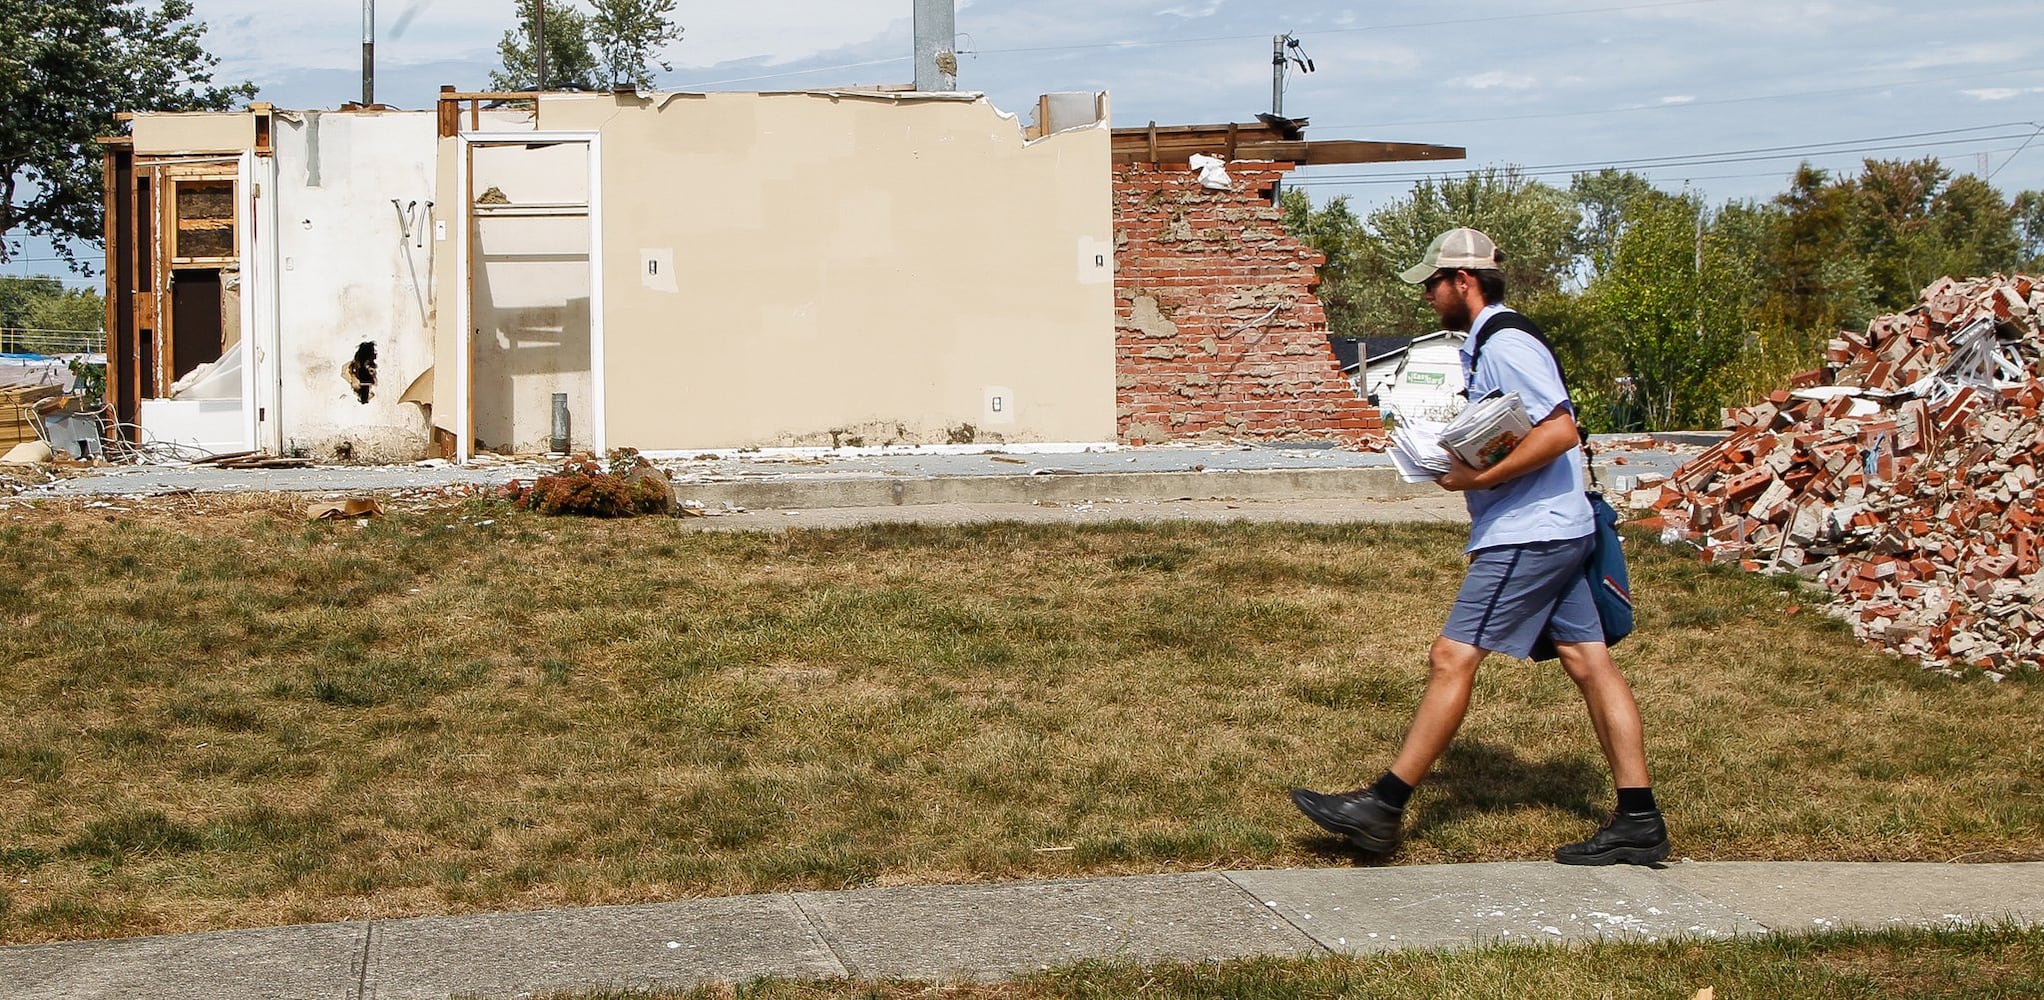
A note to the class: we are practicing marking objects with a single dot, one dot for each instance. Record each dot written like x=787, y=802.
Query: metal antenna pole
x=1277, y=75
x=368, y=52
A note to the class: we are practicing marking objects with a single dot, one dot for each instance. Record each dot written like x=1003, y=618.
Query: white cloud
x=2001, y=93
x=1498, y=79
x=1189, y=11
x=1679, y=99
x=1971, y=55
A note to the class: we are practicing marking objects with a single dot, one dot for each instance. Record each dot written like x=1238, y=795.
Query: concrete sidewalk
x=951, y=933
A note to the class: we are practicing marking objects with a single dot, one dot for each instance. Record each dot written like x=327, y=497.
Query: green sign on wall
x=1426, y=378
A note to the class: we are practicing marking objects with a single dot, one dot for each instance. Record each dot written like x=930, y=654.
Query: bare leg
x=1612, y=710
x=1451, y=676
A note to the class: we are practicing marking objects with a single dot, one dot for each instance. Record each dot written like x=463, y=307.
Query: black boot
x=1369, y=823
x=1627, y=838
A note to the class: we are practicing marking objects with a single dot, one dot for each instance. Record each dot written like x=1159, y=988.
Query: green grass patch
x=1952, y=964
x=221, y=716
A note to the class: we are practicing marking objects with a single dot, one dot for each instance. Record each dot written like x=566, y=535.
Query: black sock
x=1636, y=800
x=1393, y=790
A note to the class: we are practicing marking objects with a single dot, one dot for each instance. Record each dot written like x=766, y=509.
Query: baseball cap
x=1458, y=249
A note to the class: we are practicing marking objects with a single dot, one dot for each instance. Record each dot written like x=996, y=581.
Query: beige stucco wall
x=159, y=133
x=837, y=269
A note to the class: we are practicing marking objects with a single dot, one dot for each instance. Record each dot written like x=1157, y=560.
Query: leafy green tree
x=570, y=61
x=1335, y=231
x=1977, y=230
x=1604, y=198
x=66, y=68
x=18, y=295
x=1534, y=224
x=1817, y=282
x=1663, y=322
x=67, y=322
x=2029, y=212
x=630, y=34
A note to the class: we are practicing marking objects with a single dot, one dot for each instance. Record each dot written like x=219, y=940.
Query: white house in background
x=1421, y=379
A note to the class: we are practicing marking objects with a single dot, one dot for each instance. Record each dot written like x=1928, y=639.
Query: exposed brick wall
x=1218, y=333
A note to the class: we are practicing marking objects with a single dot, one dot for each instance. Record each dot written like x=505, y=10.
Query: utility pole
x=368, y=53
x=1278, y=67
x=936, y=26
x=1278, y=60
x=539, y=45
x=1277, y=76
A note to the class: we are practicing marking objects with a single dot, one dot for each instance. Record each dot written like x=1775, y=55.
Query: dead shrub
x=624, y=485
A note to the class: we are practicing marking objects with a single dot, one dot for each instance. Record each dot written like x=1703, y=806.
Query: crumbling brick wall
x=1218, y=333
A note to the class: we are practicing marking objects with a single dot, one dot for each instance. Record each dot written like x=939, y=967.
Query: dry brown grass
x=219, y=715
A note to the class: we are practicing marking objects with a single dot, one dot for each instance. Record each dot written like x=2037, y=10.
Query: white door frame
x=464, y=406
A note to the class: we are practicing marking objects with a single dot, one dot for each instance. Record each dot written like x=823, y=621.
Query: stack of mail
x=1482, y=433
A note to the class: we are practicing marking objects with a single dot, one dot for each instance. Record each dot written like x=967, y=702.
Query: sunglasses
x=1434, y=281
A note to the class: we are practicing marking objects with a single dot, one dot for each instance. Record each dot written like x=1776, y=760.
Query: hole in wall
x=361, y=372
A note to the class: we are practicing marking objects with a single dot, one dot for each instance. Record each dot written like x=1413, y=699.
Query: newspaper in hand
x=1480, y=435
x=1487, y=430
x=1416, y=448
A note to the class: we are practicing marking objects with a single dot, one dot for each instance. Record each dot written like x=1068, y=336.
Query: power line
x=2019, y=149
x=1387, y=26
x=1669, y=106
x=1853, y=146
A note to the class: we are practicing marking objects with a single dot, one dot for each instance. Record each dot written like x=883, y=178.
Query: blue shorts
x=1513, y=593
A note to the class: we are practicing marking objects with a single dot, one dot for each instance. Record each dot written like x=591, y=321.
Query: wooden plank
x=1349, y=151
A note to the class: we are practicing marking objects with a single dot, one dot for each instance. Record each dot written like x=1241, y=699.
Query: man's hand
x=1550, y=439
x=1459, y=477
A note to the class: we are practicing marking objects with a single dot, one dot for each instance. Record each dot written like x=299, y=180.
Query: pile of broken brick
x=1902, y=476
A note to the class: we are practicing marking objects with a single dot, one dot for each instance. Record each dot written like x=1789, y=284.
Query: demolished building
x=680, y=272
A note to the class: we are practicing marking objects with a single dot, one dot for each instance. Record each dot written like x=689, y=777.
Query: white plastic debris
x=1213, y=172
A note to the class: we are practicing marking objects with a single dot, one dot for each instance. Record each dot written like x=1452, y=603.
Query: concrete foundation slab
x=1440, y=906
x=312, y=961
x=990, y=931
x=1815, y=896
x=613, y=947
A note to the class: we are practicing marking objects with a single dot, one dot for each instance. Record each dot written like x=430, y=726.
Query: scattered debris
x=341, y=510
x=253, y=460
x=28, y=453
x=1902, y=476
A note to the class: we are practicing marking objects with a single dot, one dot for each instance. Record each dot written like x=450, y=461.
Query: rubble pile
x=1903, y=475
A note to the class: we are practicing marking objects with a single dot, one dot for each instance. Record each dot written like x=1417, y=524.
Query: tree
x=1534, y=224
x=570, y=63
x=66, y=68
x=18, y=295
x=1335, y=231
x=2029, y=210
x=68, y=322
x=630, y=35
x=1604, y=198
x=1653, y=306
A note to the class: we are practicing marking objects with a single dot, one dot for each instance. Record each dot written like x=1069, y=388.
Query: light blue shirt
x=1546, y=504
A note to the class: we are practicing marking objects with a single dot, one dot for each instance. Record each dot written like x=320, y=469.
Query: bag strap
x=1507, y=319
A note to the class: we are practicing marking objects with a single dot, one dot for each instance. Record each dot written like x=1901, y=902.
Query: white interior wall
x=356, y=253
x=531, y=296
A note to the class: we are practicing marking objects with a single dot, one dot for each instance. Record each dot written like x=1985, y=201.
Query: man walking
x=1529, y=537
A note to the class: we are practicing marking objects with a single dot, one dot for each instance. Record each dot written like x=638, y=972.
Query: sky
x=1723, y=97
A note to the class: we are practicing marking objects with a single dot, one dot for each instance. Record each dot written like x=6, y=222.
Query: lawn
x=221, y=715
x=1982, y=963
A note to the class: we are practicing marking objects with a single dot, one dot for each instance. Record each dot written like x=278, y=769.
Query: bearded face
x=1448, y=293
